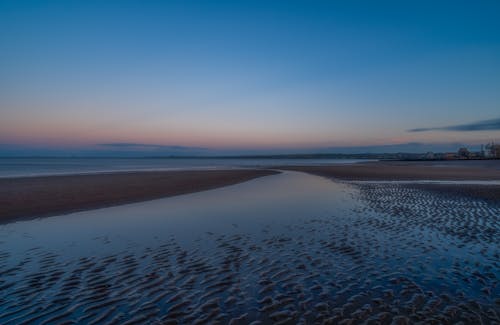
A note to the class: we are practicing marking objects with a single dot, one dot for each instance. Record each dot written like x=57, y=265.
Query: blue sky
x=247, y=75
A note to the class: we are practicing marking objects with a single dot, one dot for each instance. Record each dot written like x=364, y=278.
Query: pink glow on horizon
x=214, y=133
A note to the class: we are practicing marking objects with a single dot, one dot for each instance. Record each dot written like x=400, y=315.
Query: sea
x=25, y=167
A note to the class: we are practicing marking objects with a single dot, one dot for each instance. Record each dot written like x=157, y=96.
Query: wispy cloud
x=486, y=125
x=143, y=146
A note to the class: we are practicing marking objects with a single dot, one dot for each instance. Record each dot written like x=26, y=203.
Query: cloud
x=486, y=125
x=144, y=146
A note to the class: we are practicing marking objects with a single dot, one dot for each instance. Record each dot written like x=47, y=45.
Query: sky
x=247, y=75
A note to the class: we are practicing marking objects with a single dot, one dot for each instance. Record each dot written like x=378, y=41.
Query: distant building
x=463, y=153
x=492, y=150
x=449, y=155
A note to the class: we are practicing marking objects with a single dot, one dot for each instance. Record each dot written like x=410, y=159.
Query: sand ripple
x=401, y=256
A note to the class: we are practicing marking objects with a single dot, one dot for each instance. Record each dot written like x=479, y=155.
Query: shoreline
x=124, y=171
x=24, y=198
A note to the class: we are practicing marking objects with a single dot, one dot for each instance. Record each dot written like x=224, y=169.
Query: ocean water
x=288, y=248
x=15, y=167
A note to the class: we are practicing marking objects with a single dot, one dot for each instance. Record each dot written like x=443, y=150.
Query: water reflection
x=267, y=200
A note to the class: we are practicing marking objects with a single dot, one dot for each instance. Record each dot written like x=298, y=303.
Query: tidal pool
x=288, y=248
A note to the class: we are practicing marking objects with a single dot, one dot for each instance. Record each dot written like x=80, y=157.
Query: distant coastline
x=402, y=156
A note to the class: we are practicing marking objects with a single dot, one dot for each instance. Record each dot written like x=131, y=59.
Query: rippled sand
x=400, y=255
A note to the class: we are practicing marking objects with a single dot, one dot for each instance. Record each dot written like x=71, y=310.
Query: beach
x=289, y=248
x=408, y=170
x=464, y=174
x=250, y=163
x=39, y=196
x=375, y=242
x=26, y=197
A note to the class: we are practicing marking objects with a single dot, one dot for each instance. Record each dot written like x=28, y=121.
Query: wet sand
x=417, y=171
x=400, y=170
x=28, y=197
x=485, y=192
x=395, y=255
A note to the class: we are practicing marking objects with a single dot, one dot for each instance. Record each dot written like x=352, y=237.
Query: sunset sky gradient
x=250, y=75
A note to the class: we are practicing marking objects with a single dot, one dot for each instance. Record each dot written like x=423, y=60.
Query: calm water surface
x=283, y=197
x=15, y=167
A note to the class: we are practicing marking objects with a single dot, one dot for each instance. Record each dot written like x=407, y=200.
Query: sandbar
x=30, y=197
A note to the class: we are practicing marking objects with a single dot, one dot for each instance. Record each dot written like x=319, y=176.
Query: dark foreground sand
x=390, y=255
x=49, y=195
